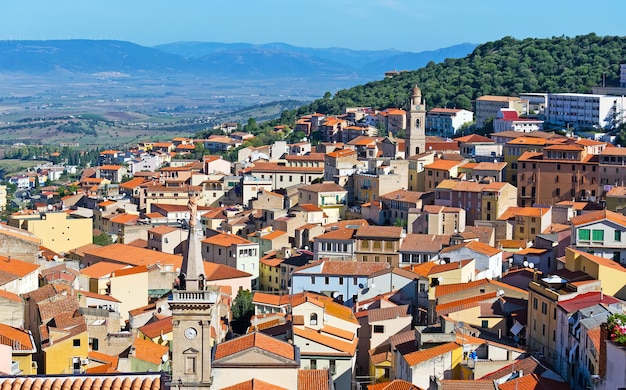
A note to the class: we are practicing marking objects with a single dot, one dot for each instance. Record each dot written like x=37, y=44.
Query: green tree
x=400, y=222
x=102, y=239
x=242, y=310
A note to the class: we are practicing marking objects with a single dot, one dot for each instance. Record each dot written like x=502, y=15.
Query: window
x=554, y=313
x=312, y=279
x=544, y=308
x=543, y=329
x=584, y=234
x=379, y=328
x=618, y=235
x=341, y=280
x=76, y=342
x=313, y=319
x=484, y=324
x=354, y=280
x=376, y=244
x=326, y=280
x=332, y=366
x=376, y=259
x=597, y=235
x=365, y=244
x=535, y=303
x=388, y=245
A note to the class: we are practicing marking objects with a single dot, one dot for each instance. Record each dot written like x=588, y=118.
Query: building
x=611, y=169
x=379, y=244
x=231, y=250
x=488, y=106
x=488, y=259
x=579, y=110
x=558, y=173
x=382, y=176
x=328, y=196
x=58, y=231
x=416, y=118
x=601, y=233
x=335, y=244
x=446, y=122
x=507, y=119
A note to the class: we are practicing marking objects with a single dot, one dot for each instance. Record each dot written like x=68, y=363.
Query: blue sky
x=411, y=25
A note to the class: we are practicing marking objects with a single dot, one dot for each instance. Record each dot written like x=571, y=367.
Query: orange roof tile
x=348, y=347
x=148, y=351
x=101, y=269
x=596, y=216
x=273, y=235
x=157, y=328
x=10, y=295
x=17, y=267
x=340, y=234
x=110, y=167
x=90, y=294
x=463, y=304
x=129, y=271
x=104, y=358
x=396, y=384
x=255, y=340
x=127, y=254
x=393, y=232
x=445, y=165
x=254, y=384
x=615, y=266
x=19, y=340
x=124, y=219
x=162, y=229
x=225, y=240
x=415, y=358
x=313, y=380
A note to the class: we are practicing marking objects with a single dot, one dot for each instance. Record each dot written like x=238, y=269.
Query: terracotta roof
x=341, y=153
x=468, y=384
x=449, y=266
x=456, y=287
x=115, y=381
x=387, y=313
x=596, y=216
x=101, y=269
x=93, y=295
x=393, y=232
x=463, y=304
x=103, y=358
x=415, y=358
x=272, y=167
x=396, y=384
x=271, y=299
x=17, y=267
x=254, y=384
x=314, y=380
x=225, y=240
x=124, y=218
x=347, y=347
x=130, y=271
x=340, y=234
x=423, y=242
x=17, y=339
x=473, y=138
x=215, y=272
x=445, y=165
x=127, y=254
x=582, y=301
x=475, y=246
x=162, y=229
x=9, y=295
x=337, y=267
x=327, y=186
x=157, y=328
x=533, y=382
x=110, y=167
x=255, y=340
x=272, y=235
x=148, y=351
x=514, y=211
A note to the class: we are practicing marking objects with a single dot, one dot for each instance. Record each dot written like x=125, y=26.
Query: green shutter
x=583, y=234
x=618, y=235
x=597, y=235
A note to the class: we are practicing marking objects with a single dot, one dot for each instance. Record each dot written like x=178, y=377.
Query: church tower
x=416, y=142
x=192, y=307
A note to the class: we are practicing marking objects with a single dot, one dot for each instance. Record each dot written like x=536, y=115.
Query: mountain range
x=211, y=59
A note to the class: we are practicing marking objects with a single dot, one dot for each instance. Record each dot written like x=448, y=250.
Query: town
x=395, y=253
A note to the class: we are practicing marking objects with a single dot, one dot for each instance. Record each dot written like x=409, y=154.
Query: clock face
x=190, y=333
x=417, y=107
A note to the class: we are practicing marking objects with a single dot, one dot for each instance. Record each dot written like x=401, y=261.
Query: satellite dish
x=460, y=324
x=334, y=294
x=531, y=265
x=440, y=279
x=500, y=293
x=525, y=263
x=360, y=285
x=55, y=258
x=165, y=338
x=165, y=358
x=306, y=247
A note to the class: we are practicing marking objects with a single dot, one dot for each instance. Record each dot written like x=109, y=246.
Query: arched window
x=313, y=319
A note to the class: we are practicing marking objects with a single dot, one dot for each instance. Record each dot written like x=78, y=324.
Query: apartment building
x=379, y=244
x=446, y=122
x=579, y=110
x=601, y=233
x=383, y=176
x=558, y=173
x=488, y=106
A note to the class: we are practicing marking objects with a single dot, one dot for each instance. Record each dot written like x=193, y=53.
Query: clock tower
x=416, y=142
x=192, y=308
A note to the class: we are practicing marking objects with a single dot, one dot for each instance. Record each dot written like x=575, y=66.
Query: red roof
x=582, y=301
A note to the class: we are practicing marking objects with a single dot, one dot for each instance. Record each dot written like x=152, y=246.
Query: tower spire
x=192, y=270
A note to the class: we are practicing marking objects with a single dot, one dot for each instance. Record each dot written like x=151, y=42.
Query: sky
x=407, y=25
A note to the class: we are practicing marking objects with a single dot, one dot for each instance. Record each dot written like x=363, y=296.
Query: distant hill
x=503, y=67
x=367, y=63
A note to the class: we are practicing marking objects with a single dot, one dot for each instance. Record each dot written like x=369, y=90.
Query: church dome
x=417, y=91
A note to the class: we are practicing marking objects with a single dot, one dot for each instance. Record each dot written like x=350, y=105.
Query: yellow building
x=58, y=231
x=66, y=350
x=527, y=222
x=611, y=273
x=130, y=287
x=269, y=275
x=22, y=346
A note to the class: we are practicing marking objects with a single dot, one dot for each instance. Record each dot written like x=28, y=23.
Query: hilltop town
x=398, y=252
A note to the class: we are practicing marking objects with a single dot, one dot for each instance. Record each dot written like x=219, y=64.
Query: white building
x=585, y=110
x=601, y=233
x=445, y=122
x=508, y=120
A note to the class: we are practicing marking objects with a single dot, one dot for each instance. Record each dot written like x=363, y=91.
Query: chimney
x=604, y=336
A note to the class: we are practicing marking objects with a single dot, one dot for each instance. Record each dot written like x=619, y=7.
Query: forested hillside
x=504, y=67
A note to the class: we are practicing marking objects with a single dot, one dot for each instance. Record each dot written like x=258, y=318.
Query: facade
x=382, y=176
x=328, y=196
x=290, y=173
x=416, y=120
x=379, y=244
x=446, y=122
x=231, y=250
x=488, y=259
x=558, y=173
x=488, y=107
x=507, y=119
x=611, y=169
x=335, y=244
x=601, y=233
x=57, y=230
x=585, y=110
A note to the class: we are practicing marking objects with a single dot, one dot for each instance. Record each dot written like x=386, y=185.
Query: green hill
x=504, y=67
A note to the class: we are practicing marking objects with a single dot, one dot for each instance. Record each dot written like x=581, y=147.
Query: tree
x=400, y=222
x=102, y=239
x=242, y=310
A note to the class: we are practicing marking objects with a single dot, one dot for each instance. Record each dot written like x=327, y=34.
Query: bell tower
x=192, y=307
x=416, y=142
